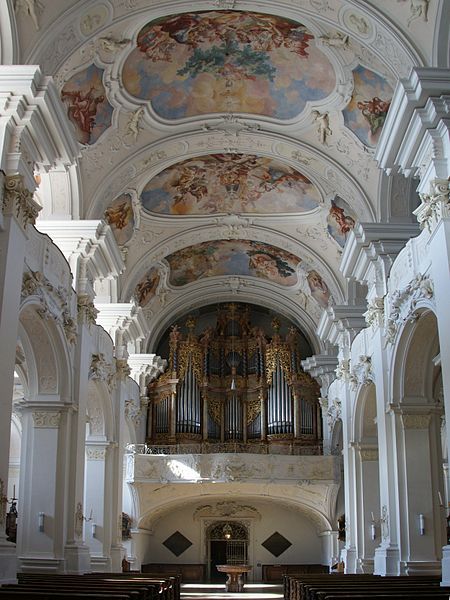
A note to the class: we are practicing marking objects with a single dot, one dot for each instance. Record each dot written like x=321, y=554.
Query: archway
x=227, y=544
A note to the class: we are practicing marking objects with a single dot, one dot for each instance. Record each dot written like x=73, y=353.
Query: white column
x=439, y=247
x=18, y=210
x=96, y=531
x=368, y=500
x=39, y=537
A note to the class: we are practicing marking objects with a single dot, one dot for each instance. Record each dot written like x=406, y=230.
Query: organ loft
x=235, y=382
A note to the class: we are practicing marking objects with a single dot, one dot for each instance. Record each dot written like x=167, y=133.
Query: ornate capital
x=18, y=201
x=46, y=419
x=100, y=369
x=435, y=205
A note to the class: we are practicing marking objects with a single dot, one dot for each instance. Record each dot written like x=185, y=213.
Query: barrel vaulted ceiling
x=229, y=144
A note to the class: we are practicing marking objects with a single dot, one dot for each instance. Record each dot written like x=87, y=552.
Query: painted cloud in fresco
x=208, y=62
x=146, y=287
x=340, y=220
x=233, y=257
x=119, y=215
x=366, y=112
x=87, y=106
x=229, y=183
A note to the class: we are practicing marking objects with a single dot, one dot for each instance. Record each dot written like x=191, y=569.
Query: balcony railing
x=225, y=448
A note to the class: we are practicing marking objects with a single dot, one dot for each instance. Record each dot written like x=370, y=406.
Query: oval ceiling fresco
x=209, y=62
x=229, y=183
x=233, y=257
x=146, y=287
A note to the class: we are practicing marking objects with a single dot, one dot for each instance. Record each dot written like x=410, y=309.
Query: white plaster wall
x=306, y=545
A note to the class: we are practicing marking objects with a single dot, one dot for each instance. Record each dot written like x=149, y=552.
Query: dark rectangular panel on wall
x=274, y=573
x=188, y=572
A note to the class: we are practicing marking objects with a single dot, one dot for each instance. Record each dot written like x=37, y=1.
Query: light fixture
x=421, y=524
x=94, y=530
x=41, y=521
x=373, y=531
x=227, y=531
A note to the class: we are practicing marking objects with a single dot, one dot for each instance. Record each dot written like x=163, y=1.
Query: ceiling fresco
x=119, y=215
x=233, y=257
x=197, y=63
x=366, y=113
x=229, y=183
x=146, y=288
x=88, y=108
x=340, y=220
x=222, y=124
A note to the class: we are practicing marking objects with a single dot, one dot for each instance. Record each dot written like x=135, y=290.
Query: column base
x=348, y=555
x=101, y=564
x=421, y=567
x=365, y=565
x=117, y=554
x=40, y=564
x=78, y=559
x=8, y=563
x=387, y=561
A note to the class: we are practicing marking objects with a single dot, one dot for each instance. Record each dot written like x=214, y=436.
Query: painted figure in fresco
x=145, y=289
x=83, y=107
x=318, y=287
x=119, y=216
x=268, y=265
x=375, y=111
x=344, y=222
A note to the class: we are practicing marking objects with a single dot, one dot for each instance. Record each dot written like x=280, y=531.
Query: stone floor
x=216, y=591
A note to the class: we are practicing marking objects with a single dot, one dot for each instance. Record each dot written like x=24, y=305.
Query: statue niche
x=233, y=384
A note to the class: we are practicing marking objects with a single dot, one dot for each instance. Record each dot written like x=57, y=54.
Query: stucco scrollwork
x=435, y=205
x=369, y=454
x=87, y=313
x=343, y=370
x=100, y=369
x=46, y=419
x=403, y=303
x=374, y=314
x=18, y=201
x=416, y=421
x=95, y=452
x=362, y=373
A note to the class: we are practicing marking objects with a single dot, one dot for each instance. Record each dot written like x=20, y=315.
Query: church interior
x=224, y=288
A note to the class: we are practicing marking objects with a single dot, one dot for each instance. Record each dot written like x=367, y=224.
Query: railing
x=224, y=448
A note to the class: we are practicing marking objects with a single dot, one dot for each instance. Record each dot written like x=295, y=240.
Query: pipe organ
x=234, y=383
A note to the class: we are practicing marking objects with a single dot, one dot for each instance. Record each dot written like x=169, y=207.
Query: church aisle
x=216, y=591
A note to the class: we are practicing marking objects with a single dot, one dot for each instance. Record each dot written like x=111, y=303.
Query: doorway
x=227, y=544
